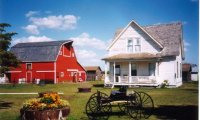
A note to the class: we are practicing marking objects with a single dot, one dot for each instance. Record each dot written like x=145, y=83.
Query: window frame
x=27, y=68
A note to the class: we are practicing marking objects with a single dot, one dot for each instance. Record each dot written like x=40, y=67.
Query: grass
x=174, y=103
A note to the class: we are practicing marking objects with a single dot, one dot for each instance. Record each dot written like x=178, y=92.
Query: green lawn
x=175, y=103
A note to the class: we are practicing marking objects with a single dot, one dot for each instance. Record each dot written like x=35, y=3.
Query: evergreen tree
x=7, y=59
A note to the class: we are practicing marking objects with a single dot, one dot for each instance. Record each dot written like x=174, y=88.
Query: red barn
x=53, y=61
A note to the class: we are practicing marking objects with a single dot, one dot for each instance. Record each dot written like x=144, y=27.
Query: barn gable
x=38, y=51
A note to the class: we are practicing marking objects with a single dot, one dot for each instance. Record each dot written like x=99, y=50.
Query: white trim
x=46, y=71
x=64, y=53
x=116, y=38
x=31, y=76
x=72, y=69
x=31, y=66
x=13, y=71
x=61, y=47
x=55, y=73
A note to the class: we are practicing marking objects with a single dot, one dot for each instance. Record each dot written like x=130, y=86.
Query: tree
x=7, y=59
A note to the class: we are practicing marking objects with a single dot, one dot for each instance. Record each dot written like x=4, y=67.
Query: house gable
x=133, y=32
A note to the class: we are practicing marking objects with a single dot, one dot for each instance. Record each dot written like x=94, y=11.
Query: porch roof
x=132, y=56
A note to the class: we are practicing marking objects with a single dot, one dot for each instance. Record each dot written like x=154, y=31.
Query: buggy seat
x=118, y=94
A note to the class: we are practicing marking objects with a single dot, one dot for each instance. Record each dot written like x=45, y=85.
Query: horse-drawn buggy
x=138, y=105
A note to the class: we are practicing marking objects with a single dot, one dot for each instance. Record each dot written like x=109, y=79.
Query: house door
x=133, y=70
x=28, y=77
x=151, y=69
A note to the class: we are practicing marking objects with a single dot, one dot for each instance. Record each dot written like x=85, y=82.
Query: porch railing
x=132, y=79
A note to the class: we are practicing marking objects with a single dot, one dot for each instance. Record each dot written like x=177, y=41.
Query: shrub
x=164, y=84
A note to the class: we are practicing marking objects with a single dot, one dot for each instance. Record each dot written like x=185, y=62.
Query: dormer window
x=138, y=45
x=130, y=45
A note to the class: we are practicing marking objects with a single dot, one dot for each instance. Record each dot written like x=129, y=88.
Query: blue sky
x=92, y=23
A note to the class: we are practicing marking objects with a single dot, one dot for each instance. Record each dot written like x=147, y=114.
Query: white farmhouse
x=145, y=55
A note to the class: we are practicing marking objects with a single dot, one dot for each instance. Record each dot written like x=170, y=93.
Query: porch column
x=114, y=71
x=156, y=71
x=129, y=73
x=106, y=78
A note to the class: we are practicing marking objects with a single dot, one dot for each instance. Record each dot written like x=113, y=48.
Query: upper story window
x=138, y=45
x=130, y=45
x=28, y=66
x=134, y=45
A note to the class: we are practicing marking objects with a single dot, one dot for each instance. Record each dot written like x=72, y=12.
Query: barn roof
x=38, y=51
x=168, y=35
x=92, y=68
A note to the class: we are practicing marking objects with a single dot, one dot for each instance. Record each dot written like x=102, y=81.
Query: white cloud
x=31, y=39
x=88, y=57
x=31, y=13
x=89, y=50
x=66, y=22
x=84, y=40
x=33, y=29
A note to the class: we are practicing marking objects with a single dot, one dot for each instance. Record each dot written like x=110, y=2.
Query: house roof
x=120, y=32
x=92, y=68
x=168, y=35
x=186, y=67
x=38, y=51
x=132, y=56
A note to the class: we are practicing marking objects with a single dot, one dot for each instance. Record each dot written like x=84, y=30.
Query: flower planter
x=84, y=89
x=56, y=114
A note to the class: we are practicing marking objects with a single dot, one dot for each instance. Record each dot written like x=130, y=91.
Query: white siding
x=120, y=46
x=167, y=71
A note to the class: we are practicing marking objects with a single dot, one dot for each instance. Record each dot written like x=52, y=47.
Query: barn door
x=28, y=77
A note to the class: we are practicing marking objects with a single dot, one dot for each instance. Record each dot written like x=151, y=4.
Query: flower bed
x=48, y=106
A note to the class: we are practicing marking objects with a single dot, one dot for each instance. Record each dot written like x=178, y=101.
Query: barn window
x=72, y=54
x=28, y=66
x=62, y=74
x=80, y=74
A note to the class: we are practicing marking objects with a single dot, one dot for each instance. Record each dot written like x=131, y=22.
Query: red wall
x=36, y=71
x=66, y=62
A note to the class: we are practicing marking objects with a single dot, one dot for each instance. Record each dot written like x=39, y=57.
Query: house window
x=138, y=45
x=28, y=66
x=133, y=70
x=151, y=69
x=180, y=70
x=117, y=70
x=130, y=45
x=177, y=69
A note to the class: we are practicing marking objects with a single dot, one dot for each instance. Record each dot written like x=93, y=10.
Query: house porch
x=132, y=73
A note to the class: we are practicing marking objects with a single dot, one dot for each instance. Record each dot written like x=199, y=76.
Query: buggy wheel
x=143, y=108
x=133, y=105
x=98, y=107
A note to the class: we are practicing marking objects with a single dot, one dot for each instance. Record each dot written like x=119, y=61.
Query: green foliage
x=164, y=84
x=7, y=59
